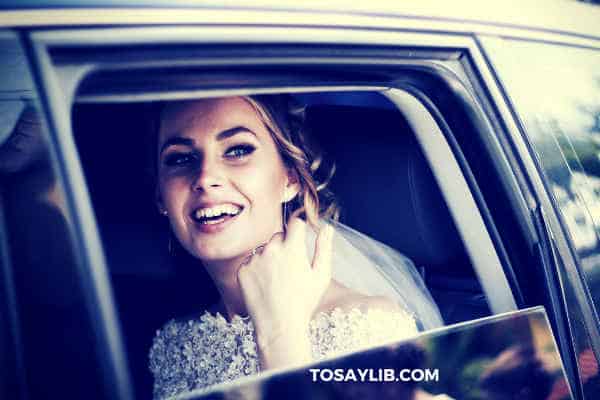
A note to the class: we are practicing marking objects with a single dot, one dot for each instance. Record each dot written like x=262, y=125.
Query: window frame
x=564, y=260
x=490, y=106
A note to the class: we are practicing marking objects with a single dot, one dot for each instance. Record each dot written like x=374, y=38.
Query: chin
x=220, y=252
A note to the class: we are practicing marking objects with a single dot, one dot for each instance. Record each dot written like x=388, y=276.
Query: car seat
x=387, y=190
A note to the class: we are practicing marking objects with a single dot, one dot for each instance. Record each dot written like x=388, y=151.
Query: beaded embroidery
x=198, y=353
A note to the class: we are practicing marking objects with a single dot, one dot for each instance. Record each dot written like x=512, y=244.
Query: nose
x=208, y=175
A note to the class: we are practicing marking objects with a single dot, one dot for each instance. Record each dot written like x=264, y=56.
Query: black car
x=473, y=133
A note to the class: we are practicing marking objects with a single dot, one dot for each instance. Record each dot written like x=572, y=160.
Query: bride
x=238, y=181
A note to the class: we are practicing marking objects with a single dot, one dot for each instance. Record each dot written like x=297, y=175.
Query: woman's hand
x=282, y=288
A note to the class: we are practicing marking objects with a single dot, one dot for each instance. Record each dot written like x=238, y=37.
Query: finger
x=296, y=232
x=323, y=251
x=245, y=262
x=277, y=237
x=271, y=246
x=259, y=249
x=241, y=274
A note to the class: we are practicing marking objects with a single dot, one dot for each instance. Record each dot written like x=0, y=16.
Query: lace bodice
x=198, y=353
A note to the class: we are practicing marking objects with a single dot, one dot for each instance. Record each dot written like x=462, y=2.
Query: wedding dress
x=198, y=353
x=201, y=352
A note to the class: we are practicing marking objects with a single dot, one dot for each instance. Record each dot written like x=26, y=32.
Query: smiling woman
x=239, y=185
x=217, y=153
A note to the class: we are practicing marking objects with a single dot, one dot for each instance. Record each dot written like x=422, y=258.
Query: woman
x=237, y=180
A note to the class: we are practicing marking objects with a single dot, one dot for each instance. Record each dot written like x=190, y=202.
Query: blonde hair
x=285, y=122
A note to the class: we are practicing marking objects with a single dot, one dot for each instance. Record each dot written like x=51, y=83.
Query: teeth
x=218, y=210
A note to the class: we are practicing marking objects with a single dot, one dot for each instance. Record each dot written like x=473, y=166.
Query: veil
x=375, y=269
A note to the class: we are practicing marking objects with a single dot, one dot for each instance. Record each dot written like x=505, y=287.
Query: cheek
x=263, y=188
x=172, y=192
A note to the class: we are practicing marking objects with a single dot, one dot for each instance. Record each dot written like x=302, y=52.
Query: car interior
x=383, y=183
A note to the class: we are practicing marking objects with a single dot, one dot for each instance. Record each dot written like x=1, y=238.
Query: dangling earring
x=285, y=216
x=285, y=201
x=170, y=244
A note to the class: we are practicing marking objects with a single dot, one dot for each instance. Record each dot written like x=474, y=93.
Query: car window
x=385, y=184
x=150, y=270
x=44, y=300
x=556, y=91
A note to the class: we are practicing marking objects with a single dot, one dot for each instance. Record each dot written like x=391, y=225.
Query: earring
x=285, y=201
x=285, y=216
x=171, y=245
x=165, y=213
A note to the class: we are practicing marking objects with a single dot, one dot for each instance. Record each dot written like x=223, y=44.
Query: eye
x=239, y=151
x=179, y=159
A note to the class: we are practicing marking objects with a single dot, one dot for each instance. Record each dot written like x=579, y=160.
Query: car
x=471, y=132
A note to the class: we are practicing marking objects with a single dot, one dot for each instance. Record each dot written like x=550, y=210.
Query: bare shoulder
x=366, y=303
x=380, y=303
x=339, y=296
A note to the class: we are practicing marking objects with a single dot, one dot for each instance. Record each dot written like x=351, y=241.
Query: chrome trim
x=584, y=33
x=100, y=305
x=157, y=35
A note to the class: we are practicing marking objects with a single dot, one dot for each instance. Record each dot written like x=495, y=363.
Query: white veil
x=375, y=269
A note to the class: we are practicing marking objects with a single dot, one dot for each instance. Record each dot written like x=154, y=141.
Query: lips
x=213, y=218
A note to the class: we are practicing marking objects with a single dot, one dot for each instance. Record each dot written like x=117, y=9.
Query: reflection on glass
x=53, y=323
x=556, y=91
x=501, y=357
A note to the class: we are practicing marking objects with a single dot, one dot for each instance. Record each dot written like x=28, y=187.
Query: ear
x=292, y=186
x=159, y=203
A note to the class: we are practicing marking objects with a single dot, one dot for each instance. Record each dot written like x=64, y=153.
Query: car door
x=56, y=324
x=554, y=92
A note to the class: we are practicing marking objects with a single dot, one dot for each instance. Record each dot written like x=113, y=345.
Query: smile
x=216, y=214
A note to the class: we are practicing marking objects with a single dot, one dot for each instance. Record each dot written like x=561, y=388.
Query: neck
x=224, y=275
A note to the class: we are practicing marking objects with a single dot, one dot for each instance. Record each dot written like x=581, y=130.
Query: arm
x=282, y=288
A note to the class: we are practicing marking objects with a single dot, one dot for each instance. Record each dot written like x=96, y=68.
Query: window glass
x=48, y=308
x=556, y=91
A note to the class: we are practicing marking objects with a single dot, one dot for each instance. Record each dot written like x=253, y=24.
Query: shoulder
x=341, y=297
x=375, y=312
x=382, y=313
x=366, y=303
x=166, y=345
x=350, y=321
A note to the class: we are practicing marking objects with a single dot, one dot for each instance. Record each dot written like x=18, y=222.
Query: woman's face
x=221, y=178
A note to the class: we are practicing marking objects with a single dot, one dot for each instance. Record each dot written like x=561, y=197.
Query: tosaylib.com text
x=374, y=375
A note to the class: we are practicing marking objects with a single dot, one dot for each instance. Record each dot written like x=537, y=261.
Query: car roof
x=557, y=16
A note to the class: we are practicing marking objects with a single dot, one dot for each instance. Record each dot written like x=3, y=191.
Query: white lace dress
x=198, y=353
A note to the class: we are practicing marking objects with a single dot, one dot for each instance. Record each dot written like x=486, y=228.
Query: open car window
x=382, y=182
x=392, y=181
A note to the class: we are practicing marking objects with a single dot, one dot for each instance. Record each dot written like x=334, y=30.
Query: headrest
x=384, y=184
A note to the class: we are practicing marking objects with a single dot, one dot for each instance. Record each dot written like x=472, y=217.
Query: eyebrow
x=179, y=140
x=176, y=140
x=233, y=131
